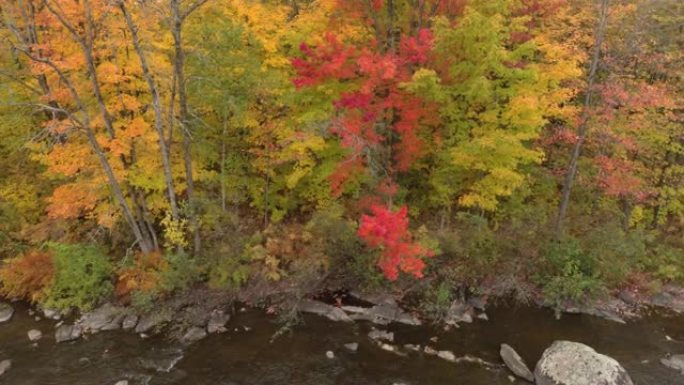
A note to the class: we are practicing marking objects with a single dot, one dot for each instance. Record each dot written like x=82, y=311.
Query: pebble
x=34, y=335
x=330, y=354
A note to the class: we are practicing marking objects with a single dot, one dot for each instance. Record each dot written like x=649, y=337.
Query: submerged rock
x=106, y=317
x=447, y=355
x=217, y=321
x=385, y=313
x=515, y=363
x=352, y=346
x=330, y=354
x=6, y=312
x=377, y=335
x=66, y=333
x=572, y=363
x=5, y=365
x=163, y=360
x=323, y=309
x=193, y=335
x=675, y=362
x=34, y=335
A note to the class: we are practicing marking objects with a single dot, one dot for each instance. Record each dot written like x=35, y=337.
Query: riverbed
x=247, y=354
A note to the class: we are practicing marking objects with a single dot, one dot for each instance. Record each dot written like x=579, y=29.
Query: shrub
x=141, y=276
x=27, y=276
x=82, y=277
x=570, y=273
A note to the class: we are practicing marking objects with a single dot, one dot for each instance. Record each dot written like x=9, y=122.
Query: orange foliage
x=27, y=277
x=143, y=276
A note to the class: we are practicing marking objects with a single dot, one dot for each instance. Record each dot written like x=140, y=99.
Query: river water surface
x=248, y=357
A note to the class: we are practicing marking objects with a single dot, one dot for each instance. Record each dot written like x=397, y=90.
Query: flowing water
x=248, y=357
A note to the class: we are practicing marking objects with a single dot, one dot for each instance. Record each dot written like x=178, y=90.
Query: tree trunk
x=158, y=116
x=583, y=128
x=177, y=26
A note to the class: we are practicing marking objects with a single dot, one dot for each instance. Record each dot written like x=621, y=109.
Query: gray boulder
x=572, y=363
x=217, y=321
x=323, y=309
x=6, y=312
x=106, y=317
x=515, y=363
x=34, y=335
x=675, y=362
x=377, y=335
x=458, y=312
x=383, y=314
x=66, y=333
x=5, y=365
x=129, y=321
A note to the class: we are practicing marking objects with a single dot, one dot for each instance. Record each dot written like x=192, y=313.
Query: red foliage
x=27, y=276
x=389, y=232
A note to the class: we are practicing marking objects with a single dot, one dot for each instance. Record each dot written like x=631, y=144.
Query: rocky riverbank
x=193, y=316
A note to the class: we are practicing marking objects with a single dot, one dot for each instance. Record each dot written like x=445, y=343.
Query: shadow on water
x=246, y=357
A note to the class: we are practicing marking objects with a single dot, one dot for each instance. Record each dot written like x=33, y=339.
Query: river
x=245, y=354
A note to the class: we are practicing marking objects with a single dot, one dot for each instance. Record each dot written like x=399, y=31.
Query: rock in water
x=193, y=335
x=106, y=317
x=34, y=335
x=323, y=309
x=515, y=363
x=330, y=354
x=122, y=382
x=572, y=363
x=352, y=346
x=675, y=362
x=5, y=365
x=6, y=312
x=217, y=321
x=66, y=333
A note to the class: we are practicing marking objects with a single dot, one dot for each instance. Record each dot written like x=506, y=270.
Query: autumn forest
x=524, y=147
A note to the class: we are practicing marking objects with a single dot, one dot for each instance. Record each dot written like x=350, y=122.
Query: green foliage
x=571, y=273
x=230, y=271
x=83, y=276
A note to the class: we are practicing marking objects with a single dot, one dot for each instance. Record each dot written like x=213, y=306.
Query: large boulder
x=515, y=363
x=6, y=312
x=572, y=363
x=66, y=333
x=675, y=362
x=106, y=317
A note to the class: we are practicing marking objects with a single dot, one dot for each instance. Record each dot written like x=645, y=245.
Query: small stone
x=5, y=365
x=84, y=361
x=483, y=316
x=352, y=346
x=430, y=351
x=413, y=347
x=388, y=347
x=446, y=355
x=52, y=314
x=122, y=382
x=330, y=354
x=434, y=339
x=511, y=378
x=36, y=318
x=6, y=312
x=34, y=335
x=377, y=335
x=247, y=328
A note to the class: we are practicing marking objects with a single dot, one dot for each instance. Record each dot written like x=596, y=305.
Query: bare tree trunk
x=178, y=17
x=158, y=116
x=582, y=130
